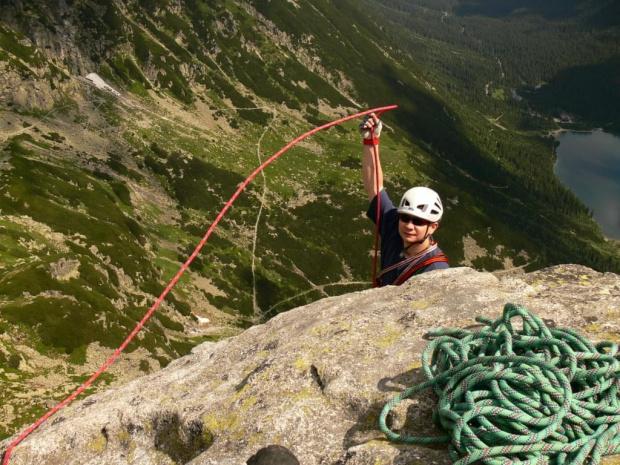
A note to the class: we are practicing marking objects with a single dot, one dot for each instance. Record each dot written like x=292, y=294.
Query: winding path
x=257, y=310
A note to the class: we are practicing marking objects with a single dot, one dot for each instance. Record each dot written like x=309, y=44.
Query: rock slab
x=313, y=379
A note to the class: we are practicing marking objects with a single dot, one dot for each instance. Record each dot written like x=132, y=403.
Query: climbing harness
x=528, y=395
x=416, y=268
x=413, y=264
x=180, y=273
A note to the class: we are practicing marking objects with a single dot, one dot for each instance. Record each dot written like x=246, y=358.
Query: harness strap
x=413, y=260
x=405, y=275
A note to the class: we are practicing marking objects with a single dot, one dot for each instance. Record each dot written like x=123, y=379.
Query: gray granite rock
x=313, y=379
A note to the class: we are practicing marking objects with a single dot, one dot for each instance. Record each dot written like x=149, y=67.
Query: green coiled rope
x=520, y=394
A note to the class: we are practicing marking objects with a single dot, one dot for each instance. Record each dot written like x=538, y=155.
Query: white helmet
x=423, y=203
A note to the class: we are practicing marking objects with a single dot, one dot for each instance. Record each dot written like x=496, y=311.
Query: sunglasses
x=412, y=219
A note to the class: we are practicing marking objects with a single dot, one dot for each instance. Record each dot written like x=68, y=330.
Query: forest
x=520, y=64
x=565, y=55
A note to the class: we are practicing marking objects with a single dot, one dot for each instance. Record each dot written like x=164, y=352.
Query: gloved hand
x=367, y=125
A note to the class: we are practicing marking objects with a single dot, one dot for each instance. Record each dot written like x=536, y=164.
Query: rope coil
x=519, y=395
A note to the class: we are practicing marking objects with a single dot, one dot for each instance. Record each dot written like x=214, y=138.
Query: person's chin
x=410, y=239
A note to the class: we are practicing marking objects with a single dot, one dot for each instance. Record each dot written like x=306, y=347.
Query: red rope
x=375, y=153
x=158, y=302
x=375, y=283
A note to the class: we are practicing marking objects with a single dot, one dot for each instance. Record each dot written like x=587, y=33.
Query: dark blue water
x=589, y=165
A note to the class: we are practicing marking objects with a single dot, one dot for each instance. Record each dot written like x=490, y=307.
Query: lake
x=588, y=163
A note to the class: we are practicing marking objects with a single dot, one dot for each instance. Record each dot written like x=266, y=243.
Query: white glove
x=367, y=125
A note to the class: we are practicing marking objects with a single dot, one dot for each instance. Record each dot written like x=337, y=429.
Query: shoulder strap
x=440, y=257
x=411, y=261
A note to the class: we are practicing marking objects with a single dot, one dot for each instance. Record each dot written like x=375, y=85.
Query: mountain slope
x=561, y=56
x=103, y=198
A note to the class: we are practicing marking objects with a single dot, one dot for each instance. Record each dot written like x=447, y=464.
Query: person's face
x=413, y=229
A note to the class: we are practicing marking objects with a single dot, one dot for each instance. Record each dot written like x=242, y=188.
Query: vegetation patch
x=181, y=442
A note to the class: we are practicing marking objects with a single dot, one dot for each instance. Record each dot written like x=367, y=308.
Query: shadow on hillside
x=590, y=91
x=552, y=9
x=430, y=124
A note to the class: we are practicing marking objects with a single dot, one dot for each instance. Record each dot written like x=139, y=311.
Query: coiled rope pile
x=520, y=393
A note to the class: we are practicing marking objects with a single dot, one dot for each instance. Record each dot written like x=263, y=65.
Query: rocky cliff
x=313, y=379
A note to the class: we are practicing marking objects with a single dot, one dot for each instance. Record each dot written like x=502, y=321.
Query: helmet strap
x=418, y=242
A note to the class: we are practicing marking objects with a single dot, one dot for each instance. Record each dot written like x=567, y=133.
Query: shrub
x=14, y=361
x=145, y=366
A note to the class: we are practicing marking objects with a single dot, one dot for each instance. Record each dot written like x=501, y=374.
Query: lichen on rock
x=314, y=379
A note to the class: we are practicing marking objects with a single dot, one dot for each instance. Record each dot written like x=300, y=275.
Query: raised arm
x=369, y=128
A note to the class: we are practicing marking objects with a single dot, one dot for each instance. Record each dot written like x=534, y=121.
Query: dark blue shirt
x=391, y=242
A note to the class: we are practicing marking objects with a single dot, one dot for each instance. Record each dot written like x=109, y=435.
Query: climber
x=407, y=244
